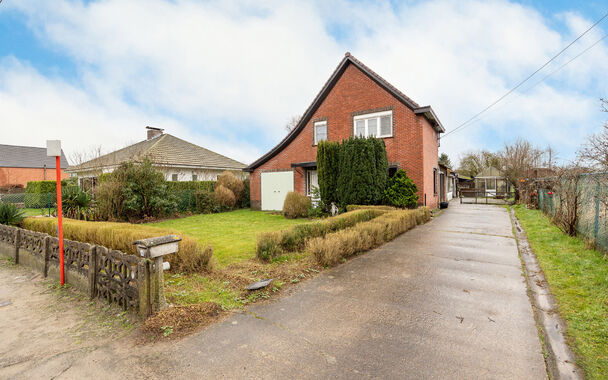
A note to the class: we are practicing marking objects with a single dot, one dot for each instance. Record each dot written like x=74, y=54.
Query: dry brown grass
x=332, y=248
x=231, y=182
x=192, y=255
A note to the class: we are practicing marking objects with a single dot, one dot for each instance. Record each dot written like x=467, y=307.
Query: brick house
x=22, y=164
x=354, y=101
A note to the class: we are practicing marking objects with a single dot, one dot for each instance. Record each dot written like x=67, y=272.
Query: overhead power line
x=466, y=123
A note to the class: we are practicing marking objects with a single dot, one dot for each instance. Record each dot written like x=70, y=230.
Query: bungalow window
x=379, y=124
x=173, y=177
x=320, y=131
x=194, y=177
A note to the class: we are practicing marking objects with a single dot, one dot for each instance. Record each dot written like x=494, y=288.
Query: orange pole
x=60, y=220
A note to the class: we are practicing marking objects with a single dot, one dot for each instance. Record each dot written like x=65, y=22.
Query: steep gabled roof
x=15, y=156
x=163, y=150
x=348, y=59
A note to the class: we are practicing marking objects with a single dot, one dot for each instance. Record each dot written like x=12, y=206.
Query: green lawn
x=35, y=211
x=578, y=278
x=232, y=234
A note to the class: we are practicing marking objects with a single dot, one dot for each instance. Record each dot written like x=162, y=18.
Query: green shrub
x=246, y=197
x=224, y=197
x=328, y=169
x=401, y=190
x=192, y=255
x=294, y=238
x=296, y=205
x=10, y=214
x=205, y=202
x=135, y=191
x=231, y=182
x=332, y=248
x=76, y=204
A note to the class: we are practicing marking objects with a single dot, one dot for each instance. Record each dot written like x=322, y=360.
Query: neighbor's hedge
x=370, y=207
x=273, y=244
x=190, y=185
x=192, y=255
x=329, y=250
x=43, y=187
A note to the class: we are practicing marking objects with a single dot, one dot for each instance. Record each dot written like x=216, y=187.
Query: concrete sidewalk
x=446, y=300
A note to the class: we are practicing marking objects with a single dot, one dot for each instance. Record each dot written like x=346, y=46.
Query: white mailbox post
x=154, y=249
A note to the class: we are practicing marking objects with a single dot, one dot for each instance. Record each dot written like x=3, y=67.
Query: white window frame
x=377, y=116
x=314, y=128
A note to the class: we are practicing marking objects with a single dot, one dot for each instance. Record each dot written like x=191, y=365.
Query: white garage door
x=275, y=186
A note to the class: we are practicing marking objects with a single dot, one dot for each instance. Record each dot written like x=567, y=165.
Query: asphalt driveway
x=445, y=300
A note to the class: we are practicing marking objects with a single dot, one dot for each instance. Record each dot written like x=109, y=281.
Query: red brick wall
x=21, y=176
x=356, y=92
x=431, y=161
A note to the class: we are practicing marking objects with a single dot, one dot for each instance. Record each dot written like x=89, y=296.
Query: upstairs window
x=378, y=124
x=320, y=131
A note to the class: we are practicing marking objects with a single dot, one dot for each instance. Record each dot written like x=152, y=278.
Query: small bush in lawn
x=205, y=202
x=224, y=197
x=296, y=205
x=401, y=190
x=230, y=181
x=329, y=250
x=10, y=214
x=269, y=246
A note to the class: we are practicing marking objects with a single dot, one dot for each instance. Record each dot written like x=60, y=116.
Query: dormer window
x=378, y=124
x=320, y=131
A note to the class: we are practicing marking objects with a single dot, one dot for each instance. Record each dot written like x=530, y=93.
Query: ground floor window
x=173, y=177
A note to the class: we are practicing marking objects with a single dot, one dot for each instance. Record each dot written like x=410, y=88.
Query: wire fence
x=592, y=208
x=30, y=200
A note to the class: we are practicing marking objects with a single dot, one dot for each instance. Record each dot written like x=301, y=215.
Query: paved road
x=446, y=300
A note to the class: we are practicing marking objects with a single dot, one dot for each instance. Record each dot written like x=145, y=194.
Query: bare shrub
x=296, y=205
x=224, y=197
x=568, y=195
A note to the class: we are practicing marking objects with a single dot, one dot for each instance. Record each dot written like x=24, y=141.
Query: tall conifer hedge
x=354, y=172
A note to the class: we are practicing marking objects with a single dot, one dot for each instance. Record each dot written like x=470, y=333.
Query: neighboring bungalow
x=355, y=101
x=177, y=159
x=22, y=164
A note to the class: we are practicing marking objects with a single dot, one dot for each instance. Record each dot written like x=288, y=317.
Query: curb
x=560, y=359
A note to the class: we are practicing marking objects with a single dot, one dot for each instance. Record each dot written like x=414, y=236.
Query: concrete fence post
x=46, y=254
x=17, y=244
x=92, y=270
x=143, y=286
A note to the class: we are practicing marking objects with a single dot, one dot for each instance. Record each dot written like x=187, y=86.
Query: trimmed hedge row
x=332, y=248
x=273, y=244
x=40, y=187
x=370, y=207
x=192, y=255
x=191, y=185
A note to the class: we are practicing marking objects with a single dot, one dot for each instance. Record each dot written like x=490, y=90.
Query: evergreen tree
x=401, y=190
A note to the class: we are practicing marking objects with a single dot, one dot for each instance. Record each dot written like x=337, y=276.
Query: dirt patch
x=178, y=321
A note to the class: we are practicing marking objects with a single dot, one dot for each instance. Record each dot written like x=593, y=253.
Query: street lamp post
x=53, y=149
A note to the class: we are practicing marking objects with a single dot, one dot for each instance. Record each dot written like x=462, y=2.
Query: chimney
x=154, y=132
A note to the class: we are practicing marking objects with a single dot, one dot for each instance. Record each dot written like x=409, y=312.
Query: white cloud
x=192, y=67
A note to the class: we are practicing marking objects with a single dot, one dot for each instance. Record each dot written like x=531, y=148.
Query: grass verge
x=578, y=279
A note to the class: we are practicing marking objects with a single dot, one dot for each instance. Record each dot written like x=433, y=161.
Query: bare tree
x=82, y=156
x=292, y=122
x=568, y=196
x=595, y=150
x=473, y=163
x=517, y=160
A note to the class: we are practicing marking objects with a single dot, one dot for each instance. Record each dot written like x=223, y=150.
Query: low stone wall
x=117, y=277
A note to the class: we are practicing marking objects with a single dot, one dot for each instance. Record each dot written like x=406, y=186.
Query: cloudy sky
x=229, y=75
